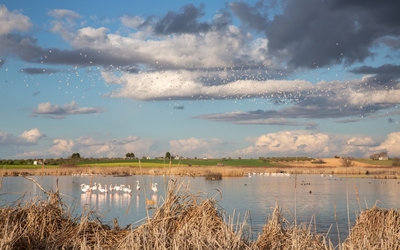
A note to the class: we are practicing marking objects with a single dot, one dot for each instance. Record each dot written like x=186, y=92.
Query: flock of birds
x=114, y=188
x=267, y=174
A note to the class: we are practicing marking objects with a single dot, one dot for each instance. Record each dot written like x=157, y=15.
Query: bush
x=347, y=161
x=318, y=161
x=396, y=162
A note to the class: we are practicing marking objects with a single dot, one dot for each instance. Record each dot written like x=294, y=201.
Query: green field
x=151, y=163
x=175, y=163
x=387, y=163
x=158, y=163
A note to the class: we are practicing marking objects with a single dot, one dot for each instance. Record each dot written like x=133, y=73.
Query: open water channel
x=313, y=198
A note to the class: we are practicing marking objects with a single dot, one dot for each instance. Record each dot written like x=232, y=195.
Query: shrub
x=347, y=161
x=396, y=162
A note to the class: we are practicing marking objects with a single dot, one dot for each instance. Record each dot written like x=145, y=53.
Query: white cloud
x=50, y=110
x=391, y=144
x=132, y=21
x=64, y=13
x=196, y=147
x=91, y=147
x=32, y=136
x=12, y=146
x=12, y=21
x=66, y=20
x=361, y=141
x=186, y=84
x=27, y=138
x=91, y=35
x=283, y=143
x=209, y=50
x=61, y=148
x=289, y=143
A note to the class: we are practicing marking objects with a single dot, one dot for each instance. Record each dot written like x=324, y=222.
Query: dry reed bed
x=183, y=221
x=225, y=171
x=375, y=229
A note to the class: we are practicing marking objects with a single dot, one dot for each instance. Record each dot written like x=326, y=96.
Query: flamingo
x=103, y=190
x=154, y=187
x=127, y=189
x=137, y=186
x=111, y=188
x=117, y=188
x=94, y=187
x=85, y=188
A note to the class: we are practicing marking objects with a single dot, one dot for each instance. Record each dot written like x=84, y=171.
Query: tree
x=75, y=156
x=396, y=162
x=347, y=161
x=130, y=155
x=168, y=155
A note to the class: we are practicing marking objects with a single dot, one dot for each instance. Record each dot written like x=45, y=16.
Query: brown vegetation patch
x=278, y=233
x=375, y=229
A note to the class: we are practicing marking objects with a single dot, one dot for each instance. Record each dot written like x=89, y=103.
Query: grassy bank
x=203, y=167
x=224, y=171
x=184, y=221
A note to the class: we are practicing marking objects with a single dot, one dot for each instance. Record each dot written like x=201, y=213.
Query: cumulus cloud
x=27, y=138
x=289, y=143
x=361, y=141
x=88, y=146
x=304, y=33
x=64, y=13
x=184, y=22
x=282, y=143
x=132, y=21
x=55, y=111
x=12, y=21
x=194, y=147
x=190, y=85
x=390, y=144
x=32, y=136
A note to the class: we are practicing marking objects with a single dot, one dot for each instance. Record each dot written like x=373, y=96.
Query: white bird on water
x=94, y=187
x=137, y=186
x=127, y=189
x=103, y=190
x=154, y=187
x=85, y=188
x=117, y=187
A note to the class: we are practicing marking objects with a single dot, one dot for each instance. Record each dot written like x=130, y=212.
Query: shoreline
x=377, y=172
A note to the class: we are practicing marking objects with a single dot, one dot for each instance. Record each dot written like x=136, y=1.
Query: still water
x=313, y=198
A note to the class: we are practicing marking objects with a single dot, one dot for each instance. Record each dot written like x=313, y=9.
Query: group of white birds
x=116, y=188
x=267, y=174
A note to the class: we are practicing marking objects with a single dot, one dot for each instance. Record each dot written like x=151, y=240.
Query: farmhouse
x=382, y=156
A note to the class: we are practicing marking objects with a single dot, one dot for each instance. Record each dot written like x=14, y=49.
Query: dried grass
x=278, y=233
x=185, y=221
x=375, y=229
x=225, y=171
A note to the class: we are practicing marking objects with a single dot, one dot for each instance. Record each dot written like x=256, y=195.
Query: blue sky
x=199, y=78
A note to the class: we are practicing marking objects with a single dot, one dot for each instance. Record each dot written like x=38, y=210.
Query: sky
x=212, y=79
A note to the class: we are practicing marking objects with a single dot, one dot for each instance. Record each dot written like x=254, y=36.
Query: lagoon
x=314, y=199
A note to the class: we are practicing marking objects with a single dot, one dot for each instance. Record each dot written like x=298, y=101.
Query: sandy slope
x=330, y=162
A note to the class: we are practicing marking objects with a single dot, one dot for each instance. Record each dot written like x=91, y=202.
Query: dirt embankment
x=328, y=162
